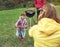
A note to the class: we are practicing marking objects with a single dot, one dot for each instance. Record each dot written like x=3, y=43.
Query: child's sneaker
x=22, y=39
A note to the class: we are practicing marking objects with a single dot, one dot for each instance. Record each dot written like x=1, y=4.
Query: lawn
x=7, y=28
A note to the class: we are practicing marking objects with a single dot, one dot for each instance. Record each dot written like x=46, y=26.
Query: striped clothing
x=22, y=22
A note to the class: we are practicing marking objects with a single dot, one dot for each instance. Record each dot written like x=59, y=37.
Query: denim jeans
x=21, y=33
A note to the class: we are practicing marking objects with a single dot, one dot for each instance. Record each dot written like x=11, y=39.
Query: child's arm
x=16, y=24
x=19, y=26
x=26, y=24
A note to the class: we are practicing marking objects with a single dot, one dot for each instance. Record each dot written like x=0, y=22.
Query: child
x=21, y=26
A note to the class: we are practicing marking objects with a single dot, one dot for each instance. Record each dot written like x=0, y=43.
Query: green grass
x=7, y=28
x=8, y=38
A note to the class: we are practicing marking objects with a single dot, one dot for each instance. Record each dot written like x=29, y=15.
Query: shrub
x=9, y=4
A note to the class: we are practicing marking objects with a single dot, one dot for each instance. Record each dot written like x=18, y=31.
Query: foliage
x=22, y=3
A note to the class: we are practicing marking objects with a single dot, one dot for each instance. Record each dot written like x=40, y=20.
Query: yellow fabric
x=46, y=33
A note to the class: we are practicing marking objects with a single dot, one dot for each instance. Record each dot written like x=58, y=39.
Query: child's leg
x=17, y=33
x=21, y=36
x=23, y=33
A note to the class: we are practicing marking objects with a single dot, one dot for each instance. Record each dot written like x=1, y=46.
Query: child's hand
x=22, y=26
x=18, y=26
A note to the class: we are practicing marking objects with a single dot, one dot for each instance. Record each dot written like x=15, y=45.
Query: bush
x=9, y=4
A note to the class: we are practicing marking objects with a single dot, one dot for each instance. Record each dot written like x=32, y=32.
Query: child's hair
x=50, y=12
x=23, y=14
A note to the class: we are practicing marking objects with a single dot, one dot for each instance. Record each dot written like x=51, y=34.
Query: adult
x=47, y=32
x=49, y=11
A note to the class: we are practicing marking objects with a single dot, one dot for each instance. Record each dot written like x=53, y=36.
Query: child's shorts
x=21, y=33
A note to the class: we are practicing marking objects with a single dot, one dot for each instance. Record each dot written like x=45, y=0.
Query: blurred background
x=10, y=10
x=8, y=4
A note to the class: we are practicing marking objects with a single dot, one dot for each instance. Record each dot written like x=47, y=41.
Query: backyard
x=8, y=19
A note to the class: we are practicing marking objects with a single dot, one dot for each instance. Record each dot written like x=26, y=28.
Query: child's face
x=23, y=17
